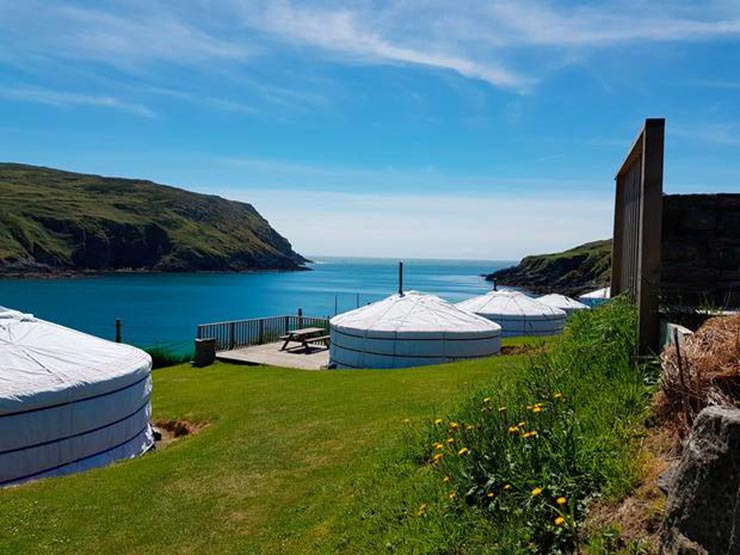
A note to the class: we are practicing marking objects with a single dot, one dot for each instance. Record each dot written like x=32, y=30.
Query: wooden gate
x=638, y=217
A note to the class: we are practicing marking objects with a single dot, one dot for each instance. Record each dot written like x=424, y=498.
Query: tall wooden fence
x=256, y=331
x=638, y=210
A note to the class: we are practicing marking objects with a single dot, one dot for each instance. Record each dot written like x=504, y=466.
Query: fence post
x=300, y=317
x=287, y=325
x=119, y=325
x=651, y=219
x=232, y=325
x=261, y=331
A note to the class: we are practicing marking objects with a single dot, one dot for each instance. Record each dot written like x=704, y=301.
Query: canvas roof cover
x=561, y=301
x=411, y=314
x=603, y=293
x=510, y=303
x=43, y=363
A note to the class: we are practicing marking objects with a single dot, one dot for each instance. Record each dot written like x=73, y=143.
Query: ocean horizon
x=163, y=309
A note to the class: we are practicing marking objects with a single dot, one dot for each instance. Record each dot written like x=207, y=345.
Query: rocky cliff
x=570, y=272
x=54, y=221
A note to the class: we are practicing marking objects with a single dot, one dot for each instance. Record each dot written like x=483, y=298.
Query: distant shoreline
x=70, y=274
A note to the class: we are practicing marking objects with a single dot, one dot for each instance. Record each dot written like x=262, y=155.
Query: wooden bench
x=321, y=339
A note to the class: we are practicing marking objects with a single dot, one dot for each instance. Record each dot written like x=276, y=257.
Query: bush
x=532, y=457
x=163, y=357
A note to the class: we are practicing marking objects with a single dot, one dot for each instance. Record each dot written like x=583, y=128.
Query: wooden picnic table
x=305, y=336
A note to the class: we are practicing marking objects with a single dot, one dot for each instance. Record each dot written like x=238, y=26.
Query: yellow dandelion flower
x=557, y=395
x=406, y=420
x=490, y=494
x=446, y=480
x=513, y=430
x=537, y=410
x=437, y=445
x=469, y=427
x=559, y=521
x=422, y=509
x=486, y=399
x=521, y=424
x=507, y=487
x=527, y=435
x=450, y=440
x=452, y=495
x=502, y=409
x=454, y=425
x=561, y=501
x=437, y=457
x=438, y=422
x=462, y=452
x=535, y=492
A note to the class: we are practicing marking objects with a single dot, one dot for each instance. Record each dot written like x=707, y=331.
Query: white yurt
x=410, y=329
x=595, y=298
x=516, y=313
x=562, y=302
x=68, y=401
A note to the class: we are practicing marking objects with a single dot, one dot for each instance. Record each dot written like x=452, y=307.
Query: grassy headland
x=571, y=272
x=57, y=221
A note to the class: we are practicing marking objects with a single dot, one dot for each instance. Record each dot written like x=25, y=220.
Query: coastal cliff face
x=570, y=272
x=53, y=221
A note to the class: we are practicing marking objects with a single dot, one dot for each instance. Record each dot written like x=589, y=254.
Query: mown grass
x=288, y=464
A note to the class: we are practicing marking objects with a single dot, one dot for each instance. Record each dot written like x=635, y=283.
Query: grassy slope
x=280, y=469
x=571, y=272
x=69, y=220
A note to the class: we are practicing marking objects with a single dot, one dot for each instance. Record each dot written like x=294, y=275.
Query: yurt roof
x=561, y=301
x=413, y=312
x=603, y=293
x=41, y=363
x=509, y=303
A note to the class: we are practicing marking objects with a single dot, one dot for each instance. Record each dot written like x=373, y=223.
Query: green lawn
x=278, y=469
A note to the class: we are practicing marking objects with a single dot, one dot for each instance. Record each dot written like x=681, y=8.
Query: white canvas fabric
x=516, y=313
x=562, y=302
x=407, y=330
x=68, y=400
x=597, y=297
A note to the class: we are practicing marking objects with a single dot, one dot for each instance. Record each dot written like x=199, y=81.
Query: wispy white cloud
x=63, y=98
x=725, y=133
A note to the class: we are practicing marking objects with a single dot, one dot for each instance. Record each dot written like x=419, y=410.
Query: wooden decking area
x=270, y=354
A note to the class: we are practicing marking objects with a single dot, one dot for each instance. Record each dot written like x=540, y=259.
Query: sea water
x=165, y=309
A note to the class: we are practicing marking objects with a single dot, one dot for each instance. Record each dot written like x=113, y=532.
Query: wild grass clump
x=532, y=457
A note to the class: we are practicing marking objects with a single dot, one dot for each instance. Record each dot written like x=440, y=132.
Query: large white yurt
x=68, y=401
x=562, y=302
x=516, y=313
x=597, y=297
x=410, y=329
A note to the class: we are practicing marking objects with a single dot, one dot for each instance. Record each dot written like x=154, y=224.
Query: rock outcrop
x=703, y=505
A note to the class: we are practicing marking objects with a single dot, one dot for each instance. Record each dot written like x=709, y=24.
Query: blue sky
x=472, y=129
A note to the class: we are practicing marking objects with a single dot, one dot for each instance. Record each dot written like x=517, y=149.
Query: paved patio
x=270, y=354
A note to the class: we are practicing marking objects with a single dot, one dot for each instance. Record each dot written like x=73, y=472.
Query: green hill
x=56, y=221
x=570, y=272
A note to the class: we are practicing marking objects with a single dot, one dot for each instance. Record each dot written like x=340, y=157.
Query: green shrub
x=531, y=457
x=162, y=357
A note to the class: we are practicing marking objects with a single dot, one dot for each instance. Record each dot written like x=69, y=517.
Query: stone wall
x=701, y=249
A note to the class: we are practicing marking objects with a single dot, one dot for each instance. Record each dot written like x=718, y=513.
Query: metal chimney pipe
x=400, y=279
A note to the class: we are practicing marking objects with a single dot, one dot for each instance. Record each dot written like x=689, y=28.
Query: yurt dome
x=597, y=297
x=412, y=329
x=68, y=401
x=562, y=302
x=516, y=313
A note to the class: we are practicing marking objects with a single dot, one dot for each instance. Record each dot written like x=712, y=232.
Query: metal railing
x=256, y=331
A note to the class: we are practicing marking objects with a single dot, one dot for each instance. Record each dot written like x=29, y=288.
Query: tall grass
x=529, y=458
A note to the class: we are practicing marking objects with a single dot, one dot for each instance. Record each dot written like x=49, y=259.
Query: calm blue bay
x=165, y=309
